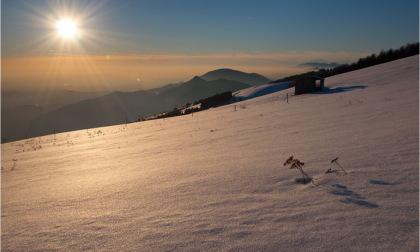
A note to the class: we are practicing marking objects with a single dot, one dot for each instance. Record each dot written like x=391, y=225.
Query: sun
x=67, y=28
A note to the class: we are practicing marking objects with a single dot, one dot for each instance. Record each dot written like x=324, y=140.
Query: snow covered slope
x=256, y=91
x=216, y=180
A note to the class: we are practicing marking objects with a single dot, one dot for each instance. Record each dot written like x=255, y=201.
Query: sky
x=128, y=45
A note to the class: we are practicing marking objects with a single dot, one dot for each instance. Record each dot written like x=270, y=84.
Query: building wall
x=308, y=85
x=304, y=86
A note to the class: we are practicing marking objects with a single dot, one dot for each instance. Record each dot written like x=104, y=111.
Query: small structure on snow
x=309, y=85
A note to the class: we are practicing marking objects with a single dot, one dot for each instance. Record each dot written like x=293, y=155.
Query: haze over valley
x=27, y=115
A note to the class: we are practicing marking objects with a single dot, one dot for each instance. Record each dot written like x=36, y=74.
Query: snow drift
x=260, y=90
x=216, y=181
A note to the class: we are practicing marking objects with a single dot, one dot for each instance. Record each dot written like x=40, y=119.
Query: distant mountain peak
x=221, y=70
x=196, y=78
x=235, y=75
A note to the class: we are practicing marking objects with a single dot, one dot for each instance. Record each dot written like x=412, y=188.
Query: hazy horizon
x=131, y=45
x=160, y=70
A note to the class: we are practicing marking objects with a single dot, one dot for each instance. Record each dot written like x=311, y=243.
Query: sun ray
x=64, y=28
x=71, y=53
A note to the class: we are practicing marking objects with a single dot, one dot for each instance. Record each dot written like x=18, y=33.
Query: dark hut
x=309, y=85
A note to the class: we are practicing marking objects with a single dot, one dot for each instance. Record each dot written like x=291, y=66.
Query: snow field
x=256, y=91
x=215, y=181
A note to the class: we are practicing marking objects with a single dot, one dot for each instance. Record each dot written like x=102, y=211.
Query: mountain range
x=31, y=120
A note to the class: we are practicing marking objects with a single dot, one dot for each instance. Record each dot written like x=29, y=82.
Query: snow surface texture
x=256, y=91
x=216, y=180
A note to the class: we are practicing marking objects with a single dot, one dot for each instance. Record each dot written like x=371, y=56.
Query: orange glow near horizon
x=135, y=72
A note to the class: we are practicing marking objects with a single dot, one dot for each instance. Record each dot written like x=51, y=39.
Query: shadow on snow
x=327, y=90
x=353, y=197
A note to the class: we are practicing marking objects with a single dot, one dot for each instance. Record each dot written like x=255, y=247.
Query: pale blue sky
x=347, y=29
x=269, y=26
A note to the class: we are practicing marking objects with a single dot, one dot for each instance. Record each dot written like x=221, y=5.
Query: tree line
x=375, y=59
x=206, y=103
x=371, y=60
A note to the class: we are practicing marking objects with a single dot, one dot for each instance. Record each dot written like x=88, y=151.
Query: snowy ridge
x=260, y=90
x=215, y=181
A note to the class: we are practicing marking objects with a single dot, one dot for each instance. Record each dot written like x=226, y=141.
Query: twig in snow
x=14, y=164
x=335, y=161
x=297, y=164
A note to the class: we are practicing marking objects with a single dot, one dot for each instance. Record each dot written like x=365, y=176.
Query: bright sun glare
x=67, y=28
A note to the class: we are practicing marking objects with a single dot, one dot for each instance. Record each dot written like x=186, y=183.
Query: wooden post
x=235, y=107
x=287, y=98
